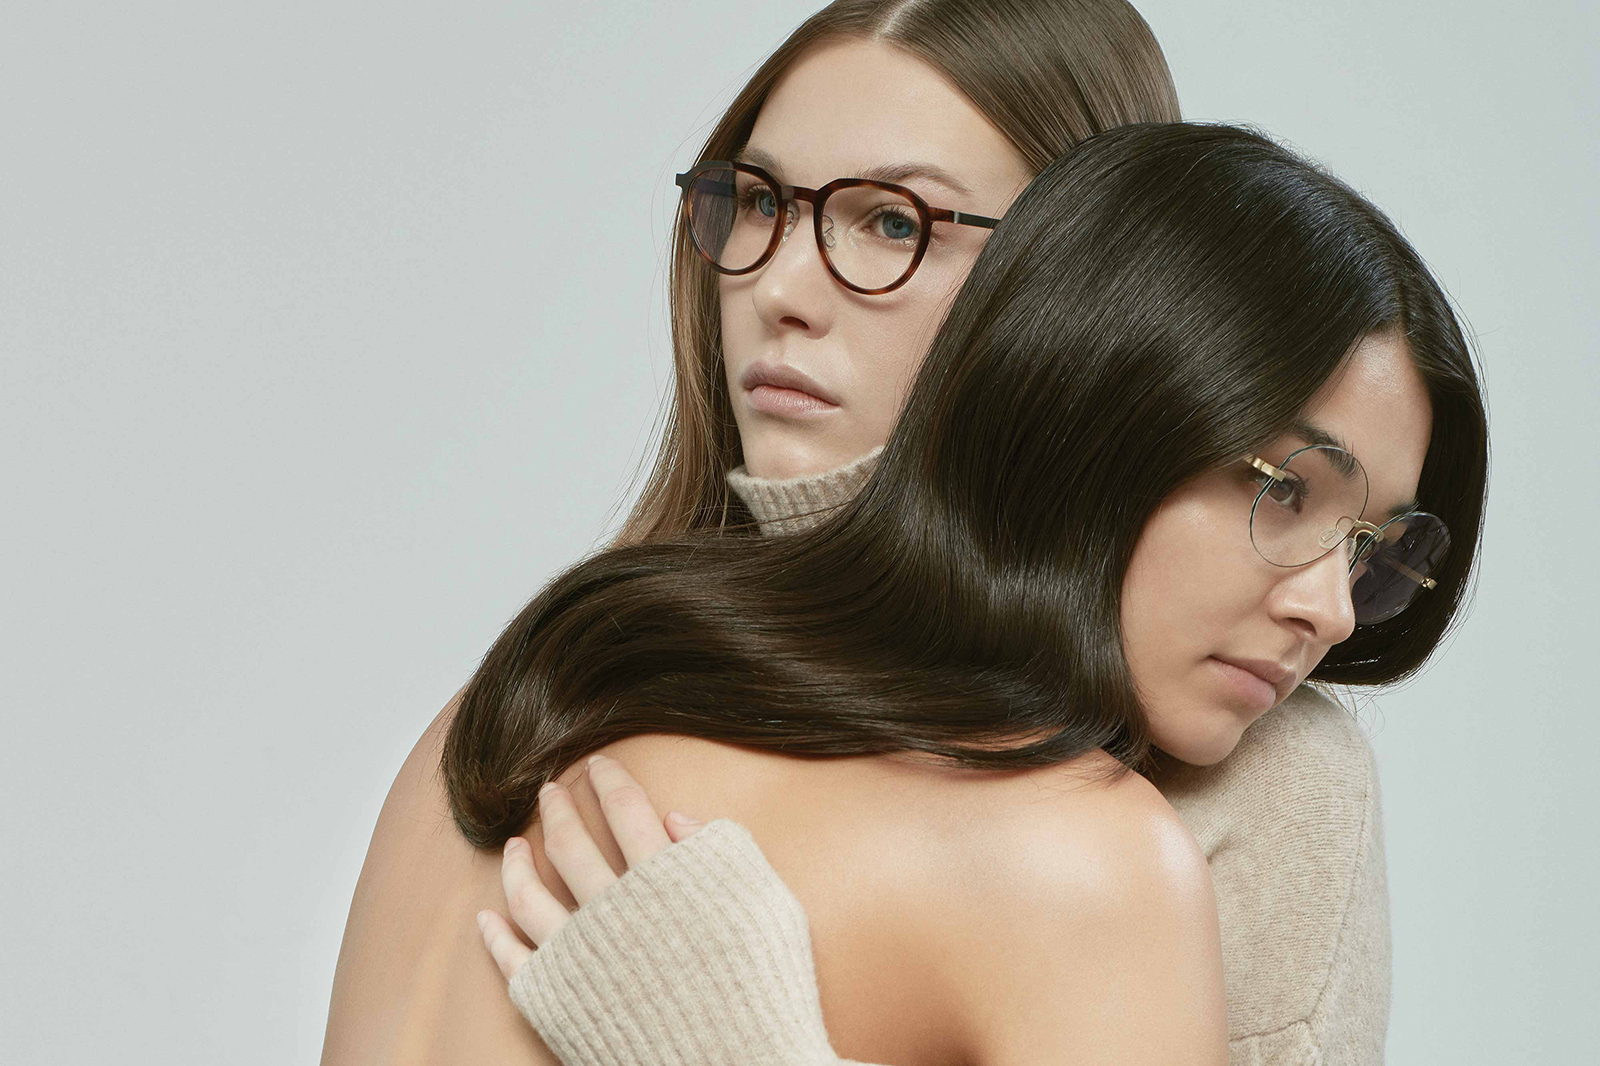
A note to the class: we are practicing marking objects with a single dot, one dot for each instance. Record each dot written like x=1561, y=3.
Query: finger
x=681, y=827
x=628, y=810
x=570, y=848
x=509, y=952
x=536, y=912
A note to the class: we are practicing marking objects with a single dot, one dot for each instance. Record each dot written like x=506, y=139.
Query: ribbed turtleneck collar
x=788, y=505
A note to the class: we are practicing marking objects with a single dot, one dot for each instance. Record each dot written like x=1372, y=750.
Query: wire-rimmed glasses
x=1312, y=502
x=872, y=234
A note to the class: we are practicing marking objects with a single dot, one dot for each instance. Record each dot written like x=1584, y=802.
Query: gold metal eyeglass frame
x=1358, y=528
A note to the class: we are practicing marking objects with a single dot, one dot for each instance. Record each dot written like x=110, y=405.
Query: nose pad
x=791, y=224
x=794, y=288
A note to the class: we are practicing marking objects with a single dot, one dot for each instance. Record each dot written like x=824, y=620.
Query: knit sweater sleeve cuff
x=698, y=956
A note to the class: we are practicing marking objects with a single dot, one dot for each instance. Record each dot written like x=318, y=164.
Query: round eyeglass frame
x=817, y=198
x=1357, y=526
x=1365, y=536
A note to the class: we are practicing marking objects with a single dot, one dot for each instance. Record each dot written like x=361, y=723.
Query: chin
x=1203, y=758
x=1200, y=749
x=785, y=455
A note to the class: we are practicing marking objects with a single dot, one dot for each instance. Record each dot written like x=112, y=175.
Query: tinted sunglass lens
x=1390, y=580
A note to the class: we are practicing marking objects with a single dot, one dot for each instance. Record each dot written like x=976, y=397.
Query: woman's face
x=843, y=110
x=1197, y=596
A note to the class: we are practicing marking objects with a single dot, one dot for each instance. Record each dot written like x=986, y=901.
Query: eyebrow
x=894, y=173
x=1317, y=435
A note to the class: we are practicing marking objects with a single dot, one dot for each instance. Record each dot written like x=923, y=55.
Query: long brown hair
x=1157, y=302
x=1047, y=73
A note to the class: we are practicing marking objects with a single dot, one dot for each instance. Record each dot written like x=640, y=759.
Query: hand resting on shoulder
x=1105, y=951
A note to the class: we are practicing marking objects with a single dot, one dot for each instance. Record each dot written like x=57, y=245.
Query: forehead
x=846, y=106
x=1377, y=406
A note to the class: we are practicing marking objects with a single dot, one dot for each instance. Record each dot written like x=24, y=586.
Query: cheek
x=738, y=319
x=1152, y=605
x=886, y=344
x=879, y=391
x=1174, y=599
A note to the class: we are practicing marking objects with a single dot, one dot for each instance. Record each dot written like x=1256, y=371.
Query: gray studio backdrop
x=329, y=331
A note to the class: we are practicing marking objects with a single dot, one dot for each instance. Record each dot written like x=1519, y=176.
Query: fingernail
x=596, y=758
x=683, y=819
x=513, y=844
x=481, y=919
x=547, y=788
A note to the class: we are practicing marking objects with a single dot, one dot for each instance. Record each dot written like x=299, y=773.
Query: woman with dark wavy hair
x=960, y=104
x=1199, y=426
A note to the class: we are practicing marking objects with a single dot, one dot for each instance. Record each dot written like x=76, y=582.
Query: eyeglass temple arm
x=1373, y=532
x=721, y=188
x=1265, y=467
x=1425, y=582
x=962, y=218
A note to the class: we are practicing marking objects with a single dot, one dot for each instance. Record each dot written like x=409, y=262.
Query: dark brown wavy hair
x=1159, y=301
x=1047, y=73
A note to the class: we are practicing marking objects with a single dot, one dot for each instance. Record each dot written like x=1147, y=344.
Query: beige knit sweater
x=701, y=955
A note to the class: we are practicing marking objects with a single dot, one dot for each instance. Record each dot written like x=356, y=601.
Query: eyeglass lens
x=1412, y=548
x=1314, y=508
x=869, y=235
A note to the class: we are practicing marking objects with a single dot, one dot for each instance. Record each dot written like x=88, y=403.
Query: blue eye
x=756, y=197
x=898, y=228
x=895, y=226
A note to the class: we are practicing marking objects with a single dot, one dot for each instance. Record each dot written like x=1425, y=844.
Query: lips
x=780, y=376
x=1281, y=678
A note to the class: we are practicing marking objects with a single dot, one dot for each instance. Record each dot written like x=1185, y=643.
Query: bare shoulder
x=425, y=755
x=1079, y=829
x=1083, y=921
x=416, y=794
x=412, y=982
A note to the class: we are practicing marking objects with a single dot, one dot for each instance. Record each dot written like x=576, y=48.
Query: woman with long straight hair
x=1198, y=413
x=989, y=93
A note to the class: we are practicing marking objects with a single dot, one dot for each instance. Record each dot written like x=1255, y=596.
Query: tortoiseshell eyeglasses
x=872, y=234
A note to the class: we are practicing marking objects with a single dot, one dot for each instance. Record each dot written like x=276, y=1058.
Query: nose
x=794, y=289
x=1315, y=599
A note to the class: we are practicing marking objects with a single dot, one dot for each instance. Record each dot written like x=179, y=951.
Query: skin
x=841, y=110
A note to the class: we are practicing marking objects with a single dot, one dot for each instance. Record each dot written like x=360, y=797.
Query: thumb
x=681, y=826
